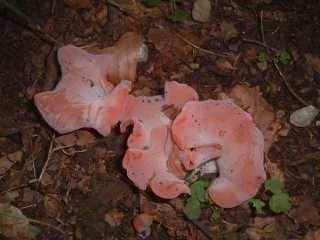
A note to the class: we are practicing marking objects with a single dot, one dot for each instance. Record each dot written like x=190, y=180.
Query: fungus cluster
x=94, y=92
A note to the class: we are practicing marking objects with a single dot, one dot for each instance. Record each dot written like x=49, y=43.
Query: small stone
x=303, y=117
x=201, y=10
x=263, y=66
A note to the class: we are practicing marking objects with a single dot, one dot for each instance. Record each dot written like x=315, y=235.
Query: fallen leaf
x=114, y=218
x=7, y=161
x=313, y=61
x=79, y=138
x=101, y=15
x=52, y=205
x=250, y=99
x=13, y=224
x=225, y=32
x=223, y=67
x=306, y=213
x=77, y=4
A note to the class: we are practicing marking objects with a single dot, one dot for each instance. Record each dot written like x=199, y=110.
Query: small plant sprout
x=262, y=57
x=199, y=198
x=178, y=16
x=282, y=57
x=279, y=201
x=257, y=204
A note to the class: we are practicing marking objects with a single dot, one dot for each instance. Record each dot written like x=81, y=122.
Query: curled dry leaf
x=13, y=224
x=52, y=205
x=77, y=4
x=80, y=138
x=7, y=161
x=250, y=99
x=223, y=67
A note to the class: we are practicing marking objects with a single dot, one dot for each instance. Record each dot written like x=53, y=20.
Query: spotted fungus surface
x=222, y=130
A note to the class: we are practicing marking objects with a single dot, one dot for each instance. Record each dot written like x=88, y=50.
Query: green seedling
x=279, y=201
x=152, y=3
x=281, y=57
x=178, y=16
x=257, y=204
x=262, y=57
x=216, y=213
x=198, y=199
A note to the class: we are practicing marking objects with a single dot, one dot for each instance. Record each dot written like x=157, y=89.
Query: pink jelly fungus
x=233, y=137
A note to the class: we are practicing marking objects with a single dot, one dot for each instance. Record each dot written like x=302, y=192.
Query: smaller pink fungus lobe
x=86, y=97
x=149, y=166
x=82, y=98
x=178, y=94
x=222, y=129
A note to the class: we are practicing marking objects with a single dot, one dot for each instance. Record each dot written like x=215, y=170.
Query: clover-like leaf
x=192, y=208
x=178, y=16
x=274, y=186
x=257, y=204
x=152, y=3
x=198, y=190
x=282, y=57
x=279, y=203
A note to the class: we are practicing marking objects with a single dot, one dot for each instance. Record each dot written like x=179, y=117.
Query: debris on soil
x=201, y=10
x=303, y=117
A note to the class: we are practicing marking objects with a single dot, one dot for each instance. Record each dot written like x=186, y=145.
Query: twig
x=34, y=26
x=48, y=158
x=247, y=40
x=289, y=86
x=261, y=27
x=46, y=224
x=200, y=48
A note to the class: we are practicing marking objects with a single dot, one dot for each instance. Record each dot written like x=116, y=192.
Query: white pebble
x=303, y=117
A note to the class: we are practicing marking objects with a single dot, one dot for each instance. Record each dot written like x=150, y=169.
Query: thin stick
x=34, y=26
x=48, y=158
x=289, y=86
x=261, y=27
x=200, y=48
x=247, y=40
x=46, y=224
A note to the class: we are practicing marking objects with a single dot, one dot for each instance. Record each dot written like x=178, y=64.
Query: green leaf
x=257, y=204
x=262, y=57
x=178, y=16
x=282, y=57
x=199, y=190
x=279, y=203
x=192, y=208
x=152, y=3
x=216, y=214
x=273, y=185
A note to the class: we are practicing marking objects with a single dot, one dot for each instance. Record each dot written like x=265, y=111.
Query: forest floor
x=73, y=186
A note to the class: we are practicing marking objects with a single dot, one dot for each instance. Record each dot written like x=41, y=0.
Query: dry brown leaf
x=114, y=218
x=223, y=67
x=250, y=99
x=167, y=43
x=7, y=161
x=306, y=213
x=13, y=224
x=313, y=61
x=77, y=4
x=52, y=205
x=226, y=31
x=163, y=213
x=80, y=138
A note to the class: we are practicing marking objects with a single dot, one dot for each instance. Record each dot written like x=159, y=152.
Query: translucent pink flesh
x=178, y=93
x=83, y=97
x=148, y=166
x=241, y=171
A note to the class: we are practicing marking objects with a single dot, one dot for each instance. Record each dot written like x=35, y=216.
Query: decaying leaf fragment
x=13, y=224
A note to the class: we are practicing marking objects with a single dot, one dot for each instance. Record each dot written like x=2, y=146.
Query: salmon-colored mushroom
x=178, y=94
x=222, y=129
x=85, y=96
